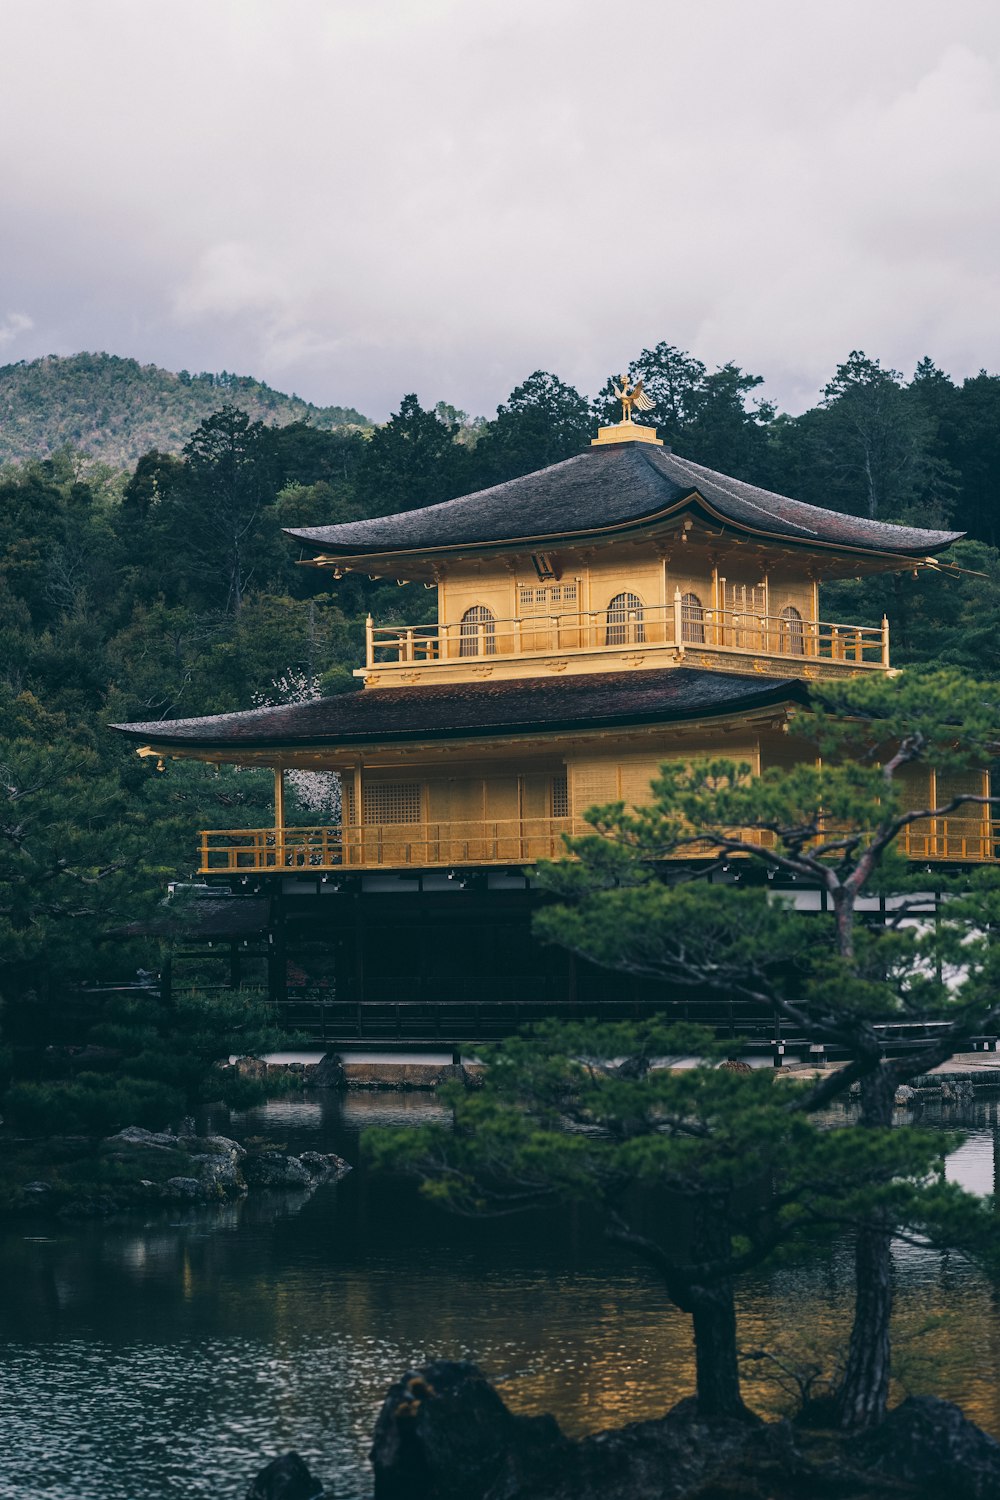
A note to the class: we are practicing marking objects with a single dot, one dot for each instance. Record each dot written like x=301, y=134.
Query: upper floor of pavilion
x=626, y=555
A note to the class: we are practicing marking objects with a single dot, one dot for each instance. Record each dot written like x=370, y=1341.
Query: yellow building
x=593, y=619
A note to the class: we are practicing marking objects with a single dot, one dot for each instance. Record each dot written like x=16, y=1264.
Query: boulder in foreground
x=287, y=1478
x=444, y=1433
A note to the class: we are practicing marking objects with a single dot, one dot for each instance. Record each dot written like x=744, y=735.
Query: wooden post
x=765, y=644
x=885, y=641
x=714, y=639
x=369, y=641
x=358, y=811
x=279, y=816
x=678, y=621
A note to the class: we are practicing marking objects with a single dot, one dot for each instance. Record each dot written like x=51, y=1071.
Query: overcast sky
x=356, y=200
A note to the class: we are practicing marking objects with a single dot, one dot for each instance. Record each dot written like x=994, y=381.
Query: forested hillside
x=175, y=593
x=116, y=409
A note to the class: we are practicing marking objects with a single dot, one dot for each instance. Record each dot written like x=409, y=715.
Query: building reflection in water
x=166, y=1353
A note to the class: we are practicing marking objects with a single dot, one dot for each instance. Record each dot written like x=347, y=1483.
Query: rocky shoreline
x=444, y=1433
x=137, y=1167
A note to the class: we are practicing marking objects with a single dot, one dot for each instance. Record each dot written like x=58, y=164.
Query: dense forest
x=168, y=590
x=115, y=410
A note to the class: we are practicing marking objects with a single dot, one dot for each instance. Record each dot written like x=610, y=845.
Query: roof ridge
x=688, y=464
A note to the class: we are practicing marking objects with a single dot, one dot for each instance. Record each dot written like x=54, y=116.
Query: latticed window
x=477, y=634
x=391, y=802
x=540, y=600
x=791, y=635
x=745, y=598
x=692, y=620
x=560, y=795
x=625, y=625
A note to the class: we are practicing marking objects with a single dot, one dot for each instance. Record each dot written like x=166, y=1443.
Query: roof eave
x=784, y=690
x=692, y=499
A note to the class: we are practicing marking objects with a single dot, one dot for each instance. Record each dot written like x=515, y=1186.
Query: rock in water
x=328, y=1073
x=932, y=1444
x=287, y=1478
x=275, y=1169
x=444, y=1434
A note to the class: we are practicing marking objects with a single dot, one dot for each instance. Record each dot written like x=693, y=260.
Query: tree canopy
x=832, y=821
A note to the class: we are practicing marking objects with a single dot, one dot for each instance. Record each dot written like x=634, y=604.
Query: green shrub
x=90, y=1105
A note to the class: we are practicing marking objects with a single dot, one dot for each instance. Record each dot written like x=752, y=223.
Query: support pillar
x=279, y=816
x=277, y=975
x=359, y=814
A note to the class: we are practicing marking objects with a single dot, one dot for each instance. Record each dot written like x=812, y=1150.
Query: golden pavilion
x=600, y=616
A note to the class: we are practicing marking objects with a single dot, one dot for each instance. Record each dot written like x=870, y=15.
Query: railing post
x=885, y=641
x=369, y=641
x=678, y=621
x=409, y=643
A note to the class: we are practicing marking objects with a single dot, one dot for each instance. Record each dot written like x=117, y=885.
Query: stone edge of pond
x=138, y=1168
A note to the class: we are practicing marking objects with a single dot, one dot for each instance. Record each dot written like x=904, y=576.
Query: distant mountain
x=117, y=409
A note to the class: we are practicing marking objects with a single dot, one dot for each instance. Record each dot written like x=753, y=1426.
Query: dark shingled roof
x=453, y=710
x=611, y=487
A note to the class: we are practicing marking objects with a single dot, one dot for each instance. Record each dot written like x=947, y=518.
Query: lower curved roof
x=606, y=488
x=463, y=710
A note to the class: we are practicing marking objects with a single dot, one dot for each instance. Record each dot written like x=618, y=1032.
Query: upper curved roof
x=607, y=488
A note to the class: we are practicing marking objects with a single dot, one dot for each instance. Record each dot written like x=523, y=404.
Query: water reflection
x=166, y=1354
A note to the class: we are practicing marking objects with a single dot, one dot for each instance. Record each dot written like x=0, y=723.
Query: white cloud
x=12, y=326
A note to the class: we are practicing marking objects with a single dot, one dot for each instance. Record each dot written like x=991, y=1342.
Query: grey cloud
x=354, y=200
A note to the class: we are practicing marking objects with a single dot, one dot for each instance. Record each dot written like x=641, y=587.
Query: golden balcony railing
x=378, y=846
x=518, y=841
x=674, y=625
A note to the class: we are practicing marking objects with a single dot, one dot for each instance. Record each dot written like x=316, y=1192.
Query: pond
x=171, y=1354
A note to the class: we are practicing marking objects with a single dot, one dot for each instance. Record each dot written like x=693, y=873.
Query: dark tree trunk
x=864, y=1390
x=713, y=1314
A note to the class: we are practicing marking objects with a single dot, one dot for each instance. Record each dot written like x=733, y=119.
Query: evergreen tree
x=701, y=1171
x=413, y=460
x=542, y=422
x=833, y=822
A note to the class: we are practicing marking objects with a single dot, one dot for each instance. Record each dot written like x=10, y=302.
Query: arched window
x=625, y=625
x=791, y=636
x=477, y=634
x=692, y=620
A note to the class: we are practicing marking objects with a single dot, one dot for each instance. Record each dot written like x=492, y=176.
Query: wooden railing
x=656, y=625
x=965, y=839
x=381, y=846
x=377, y=846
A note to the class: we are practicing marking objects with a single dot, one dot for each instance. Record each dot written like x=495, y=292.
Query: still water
x=171, y=1355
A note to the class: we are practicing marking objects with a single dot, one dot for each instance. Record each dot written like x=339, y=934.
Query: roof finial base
x=625, y=432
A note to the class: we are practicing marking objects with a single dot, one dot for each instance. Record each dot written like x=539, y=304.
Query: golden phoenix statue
x=631, y=395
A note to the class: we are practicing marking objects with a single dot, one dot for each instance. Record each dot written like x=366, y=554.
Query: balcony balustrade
x=399, y=846
x=725, y=631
